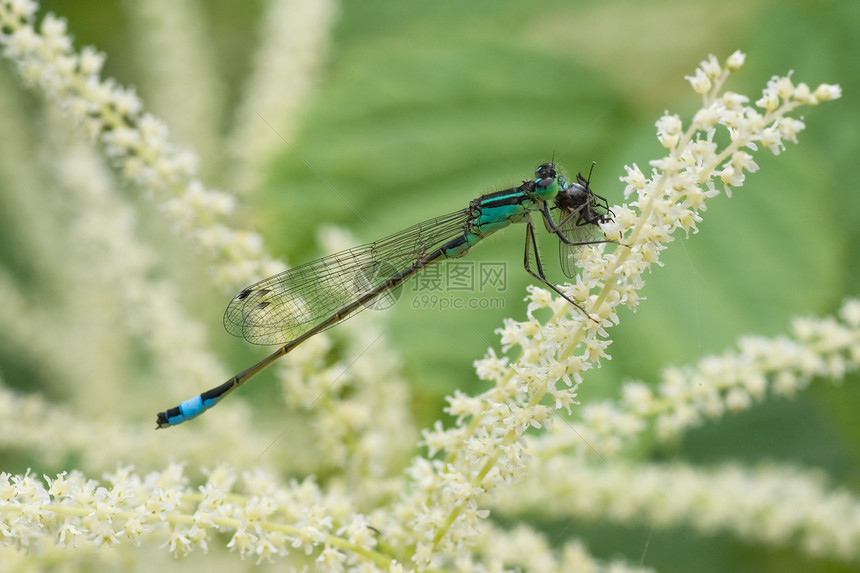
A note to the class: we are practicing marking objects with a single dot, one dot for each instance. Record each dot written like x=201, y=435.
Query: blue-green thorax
x=495, y=211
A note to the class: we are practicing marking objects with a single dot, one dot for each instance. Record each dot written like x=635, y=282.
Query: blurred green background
x=423, y=106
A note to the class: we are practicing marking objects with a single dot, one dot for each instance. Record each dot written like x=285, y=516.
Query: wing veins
x=285, y=306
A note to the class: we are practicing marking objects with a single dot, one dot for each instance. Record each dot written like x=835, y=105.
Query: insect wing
x=575, y=233
x=287, y=305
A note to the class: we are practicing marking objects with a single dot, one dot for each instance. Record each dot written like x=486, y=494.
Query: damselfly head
x=545, y=175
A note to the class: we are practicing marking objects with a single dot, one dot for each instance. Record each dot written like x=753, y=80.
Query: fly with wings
x=292, y=306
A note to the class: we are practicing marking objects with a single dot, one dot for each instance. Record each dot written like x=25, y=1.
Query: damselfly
x=292, y=306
